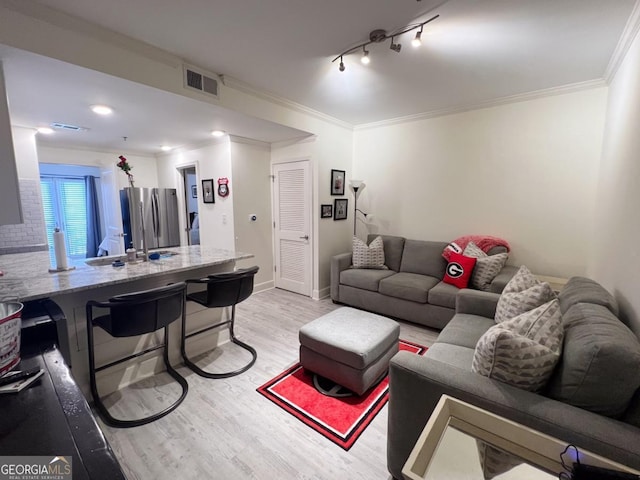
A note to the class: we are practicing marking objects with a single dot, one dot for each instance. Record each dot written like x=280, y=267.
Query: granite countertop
x=26, y=276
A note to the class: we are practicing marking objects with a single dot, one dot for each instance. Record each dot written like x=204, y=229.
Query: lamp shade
x=356, y=183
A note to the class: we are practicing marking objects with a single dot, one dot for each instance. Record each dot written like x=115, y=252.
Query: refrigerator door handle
x=154, y=211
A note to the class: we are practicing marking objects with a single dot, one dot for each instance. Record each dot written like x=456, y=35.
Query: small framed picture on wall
x=326, y=211
x=194, y=191
x=340, y=208
x=207, y=191
x=337, y=182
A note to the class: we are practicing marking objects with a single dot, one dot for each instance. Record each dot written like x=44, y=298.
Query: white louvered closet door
x=292, y=214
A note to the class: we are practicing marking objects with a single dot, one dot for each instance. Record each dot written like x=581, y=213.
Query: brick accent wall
x=30, y=235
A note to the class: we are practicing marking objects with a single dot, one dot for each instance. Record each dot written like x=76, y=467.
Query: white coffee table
x=446, y=449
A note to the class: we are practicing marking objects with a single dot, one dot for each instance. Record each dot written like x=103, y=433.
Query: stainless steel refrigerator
x=159, y=208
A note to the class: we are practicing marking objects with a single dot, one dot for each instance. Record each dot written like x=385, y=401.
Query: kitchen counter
x=26, y=275
x=26, y=278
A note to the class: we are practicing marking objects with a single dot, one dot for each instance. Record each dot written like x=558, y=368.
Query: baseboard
x=261, y=287
x=322, y=293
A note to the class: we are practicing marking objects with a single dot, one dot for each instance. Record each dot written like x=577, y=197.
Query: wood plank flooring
x=226, y=430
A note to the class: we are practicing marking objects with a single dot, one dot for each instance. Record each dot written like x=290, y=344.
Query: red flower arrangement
x=125, y=167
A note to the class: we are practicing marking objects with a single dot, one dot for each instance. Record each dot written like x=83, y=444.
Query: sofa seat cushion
x=600, y=366
x=365, y=279
x=408, y=286
x=454, y=355
x=443, y=295
x=585, y=290
x=465, y=330
x=522, y=351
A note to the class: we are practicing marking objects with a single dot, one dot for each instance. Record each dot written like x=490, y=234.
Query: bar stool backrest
x=145, y=311
x=230, y=288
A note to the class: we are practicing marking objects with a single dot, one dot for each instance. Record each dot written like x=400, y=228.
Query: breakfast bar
x=26, y=278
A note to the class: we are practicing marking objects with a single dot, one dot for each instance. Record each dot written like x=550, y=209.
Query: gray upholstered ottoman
x=350, y=347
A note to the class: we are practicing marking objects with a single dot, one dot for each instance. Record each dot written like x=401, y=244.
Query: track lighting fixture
x=365, y=56
x=417, y=41
x=379, y=35
x=396, y=47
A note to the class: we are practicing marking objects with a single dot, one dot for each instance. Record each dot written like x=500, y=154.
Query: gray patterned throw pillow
x=487, y=266
x=522, y=351
x=371, y=256
x=523, y=293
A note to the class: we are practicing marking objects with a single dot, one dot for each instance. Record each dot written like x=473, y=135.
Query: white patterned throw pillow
x=522, y=351
x=487, y=266
x=523, y=293
x=371, y=256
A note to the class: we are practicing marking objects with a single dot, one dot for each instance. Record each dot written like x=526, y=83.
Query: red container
x=10, y=324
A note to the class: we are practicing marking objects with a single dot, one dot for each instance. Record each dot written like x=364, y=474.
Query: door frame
x=312, y=229
x=182, y=205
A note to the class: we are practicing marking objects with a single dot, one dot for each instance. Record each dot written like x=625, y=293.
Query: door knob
x=306, y=237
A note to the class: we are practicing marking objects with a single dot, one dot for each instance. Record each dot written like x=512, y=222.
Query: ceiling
x=148, y=117
x=476, y=52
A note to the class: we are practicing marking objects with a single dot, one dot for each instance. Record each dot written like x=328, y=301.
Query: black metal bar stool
x=223, y=290
x=135, y=314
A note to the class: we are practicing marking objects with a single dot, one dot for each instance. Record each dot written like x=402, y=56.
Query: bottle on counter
x=131, y=254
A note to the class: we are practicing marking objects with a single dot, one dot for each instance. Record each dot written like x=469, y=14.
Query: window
x=64, y=202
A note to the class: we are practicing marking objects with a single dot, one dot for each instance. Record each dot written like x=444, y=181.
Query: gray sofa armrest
x=417, y=383
x=338, y=264
x=476, y=302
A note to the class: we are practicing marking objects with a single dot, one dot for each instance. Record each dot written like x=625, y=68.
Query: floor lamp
x=357, y=186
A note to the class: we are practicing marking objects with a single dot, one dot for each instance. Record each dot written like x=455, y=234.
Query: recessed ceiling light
x=45, y=130
x=101, y=109
x=218, y=133
x=166, y=148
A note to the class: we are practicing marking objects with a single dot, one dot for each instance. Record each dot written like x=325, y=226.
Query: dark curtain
x=94, y=231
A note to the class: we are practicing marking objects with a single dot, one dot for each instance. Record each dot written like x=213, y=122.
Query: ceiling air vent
x=68, y=128
x=197, y=79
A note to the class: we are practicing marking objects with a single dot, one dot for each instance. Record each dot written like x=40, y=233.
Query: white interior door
x=292, y=214
x=112, y=214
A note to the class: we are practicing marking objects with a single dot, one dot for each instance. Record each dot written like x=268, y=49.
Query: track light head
x=365, y=56
x=342, y=67
x=417, y=41
x=396, y=47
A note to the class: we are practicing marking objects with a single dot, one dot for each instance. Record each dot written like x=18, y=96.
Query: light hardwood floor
x=226, y=430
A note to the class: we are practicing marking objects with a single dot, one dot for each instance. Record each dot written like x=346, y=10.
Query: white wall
x=615, y=260
x=144, y=169
x=526, y=172
x=211, y=161
x=251, y=189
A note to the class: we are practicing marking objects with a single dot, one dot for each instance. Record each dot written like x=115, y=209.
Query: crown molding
x=241, y=86
x=249, y=141
x=83, y=148
x=521, y=97
x=629, y=34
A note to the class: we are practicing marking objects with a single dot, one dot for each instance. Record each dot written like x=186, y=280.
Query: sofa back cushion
x=393, y=247
x=424, y=258
x=600, y=367
x=585, y=290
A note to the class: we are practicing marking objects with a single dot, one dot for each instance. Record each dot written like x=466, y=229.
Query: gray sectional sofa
x=411, y=289
x=591, y=401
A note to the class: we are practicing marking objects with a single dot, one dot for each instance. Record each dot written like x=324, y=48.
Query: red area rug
x=341, y=420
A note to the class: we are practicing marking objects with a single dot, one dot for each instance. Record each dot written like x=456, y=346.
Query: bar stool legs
x=202, y=373
x=223, y=290
x=131, y=315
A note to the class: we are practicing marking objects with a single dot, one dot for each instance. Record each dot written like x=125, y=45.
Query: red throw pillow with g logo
x=459, y=270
